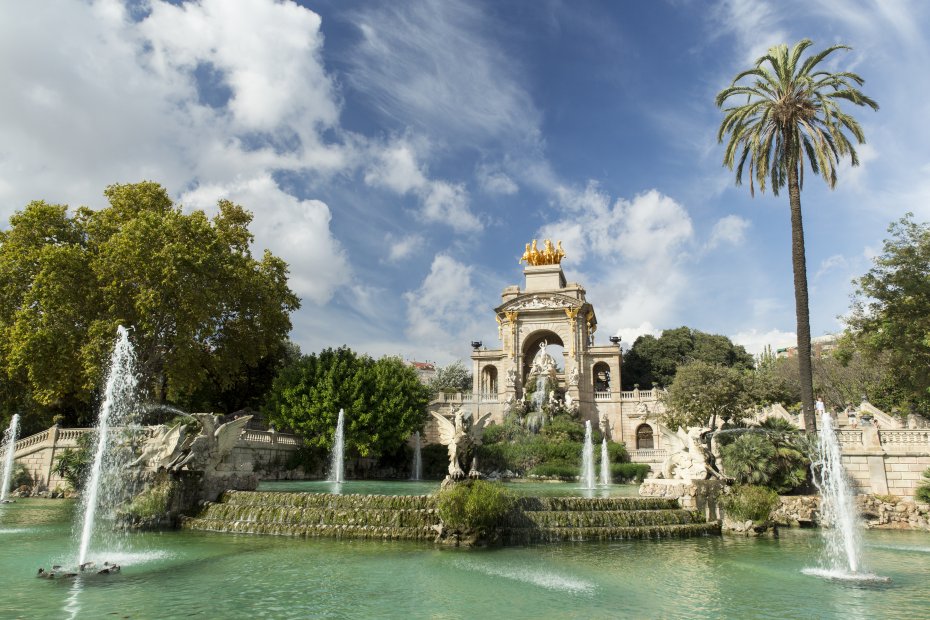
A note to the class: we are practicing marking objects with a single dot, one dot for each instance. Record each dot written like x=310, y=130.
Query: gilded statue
x=549, y=255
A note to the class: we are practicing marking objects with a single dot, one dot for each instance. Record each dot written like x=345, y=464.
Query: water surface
x=204, y=575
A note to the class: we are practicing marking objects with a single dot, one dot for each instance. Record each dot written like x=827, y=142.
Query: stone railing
x=873, y=440
x=269, y=437
x=455, y=397
x=849, y=438
x=602, y=395
x=648, y=455
x=488, y=397
x=639, y=395
x=905, y=440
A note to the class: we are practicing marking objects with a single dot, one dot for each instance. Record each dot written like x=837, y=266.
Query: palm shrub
x=922, y=494
x=73, y=464
x=778, y=459
x=750, y=503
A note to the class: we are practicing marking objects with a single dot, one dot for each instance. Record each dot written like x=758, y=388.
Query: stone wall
x=38, y=453
x=877, y=511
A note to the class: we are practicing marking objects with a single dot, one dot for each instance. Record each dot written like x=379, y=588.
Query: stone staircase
x=414, y=517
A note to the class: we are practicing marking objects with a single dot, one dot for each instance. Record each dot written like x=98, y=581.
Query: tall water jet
x=416, y=472
x=837, y=509
x=102, y=486
x=587, y=458
x=336, y=464
x=605, y=463
x=9, y=440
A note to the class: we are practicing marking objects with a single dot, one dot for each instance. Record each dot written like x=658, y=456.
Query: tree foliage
x=771, y=455
x=384, y=400
x=205, y=314
x=656, y=360
x=787, y=112
x=890, y=315
x=452, y=378
x=703, y=394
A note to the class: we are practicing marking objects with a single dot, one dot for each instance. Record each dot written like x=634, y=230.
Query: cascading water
x=587, y=458
x=416, y=472
x=605, y=463
x=336, y=465
x=9, y=440
x=839, y=523
x=542, y=391
x=103, y=486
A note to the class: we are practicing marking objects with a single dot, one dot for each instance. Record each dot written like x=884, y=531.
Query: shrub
x=778, y=460
x=922, y=494
x=474, y=505
x=73, y=465
x=153, y=501
x=563, y=429
x=556, y=470
x=626, y=472
x=20, y=476
x=750, y=502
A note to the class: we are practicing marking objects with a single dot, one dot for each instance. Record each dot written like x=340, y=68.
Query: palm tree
x=792, y=113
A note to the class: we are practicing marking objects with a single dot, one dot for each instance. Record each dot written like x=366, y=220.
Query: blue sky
x=400, y=154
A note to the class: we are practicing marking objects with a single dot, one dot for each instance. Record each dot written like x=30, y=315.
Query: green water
x=404, y=487
x=199, y=575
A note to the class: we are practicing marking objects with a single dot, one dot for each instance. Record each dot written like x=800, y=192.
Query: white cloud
x=296, y=230
x=755, y=341
x=403, y=247
x=442, y=312
x=396, y=168
x=730, y=229
x=754, y=23
x=496, y=181
x=837, y=261
x=430, y=65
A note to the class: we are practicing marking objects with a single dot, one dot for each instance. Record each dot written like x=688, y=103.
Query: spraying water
x=9, y=440
x=101, y=486
x=605, y=464
x=417, y=470
x=587, y=458
x=839, y=524
x=336, y=465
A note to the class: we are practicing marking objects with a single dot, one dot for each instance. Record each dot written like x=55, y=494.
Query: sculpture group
x=549, y=255
x=175, y=448
x=462, y=436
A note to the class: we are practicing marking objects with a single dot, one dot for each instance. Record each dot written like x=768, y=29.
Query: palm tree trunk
x=802, y=311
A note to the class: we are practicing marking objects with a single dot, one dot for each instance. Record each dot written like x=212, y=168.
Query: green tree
x=704, y=393
x=452, y=378
x=205, y=314
x=384, y=400
x=656, y=360
x=891, y=309
x=788, y=111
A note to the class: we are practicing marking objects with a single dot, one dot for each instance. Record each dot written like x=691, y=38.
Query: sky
x=399, y=155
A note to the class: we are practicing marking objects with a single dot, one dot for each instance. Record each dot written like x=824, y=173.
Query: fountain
x=417, y=469
x=605, y=464
x=103, y=486
x=587, y=458
x=336, y=464
x=9, y=440
x=839, y=522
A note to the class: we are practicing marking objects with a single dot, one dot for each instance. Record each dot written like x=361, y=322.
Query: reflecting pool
x=204, y=575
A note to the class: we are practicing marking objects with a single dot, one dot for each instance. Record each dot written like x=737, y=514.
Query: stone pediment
x=540, y=301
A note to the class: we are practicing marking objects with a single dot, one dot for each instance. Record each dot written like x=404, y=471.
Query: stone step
x=321, y=515
x=327, y=500
x=589, y=504
x=603, y=518
x=369, y=532
x=525, y=536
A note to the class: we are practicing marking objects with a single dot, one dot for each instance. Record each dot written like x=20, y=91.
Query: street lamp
x=475, y=344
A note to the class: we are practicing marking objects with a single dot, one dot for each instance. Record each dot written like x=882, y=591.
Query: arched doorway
x=601, y=377
x=644, y=440
x=554, y=347
x=488, y=385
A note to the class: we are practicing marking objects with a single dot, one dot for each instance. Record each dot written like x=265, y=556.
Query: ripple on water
x=541, y=578
x=905, y=548
x=845, y=576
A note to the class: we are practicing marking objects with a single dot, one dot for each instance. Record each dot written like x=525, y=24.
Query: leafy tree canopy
x=384, y=400
x=452, y=378
x=656, y=360
x=205, y=314
x=891, y=309
x=703, y=393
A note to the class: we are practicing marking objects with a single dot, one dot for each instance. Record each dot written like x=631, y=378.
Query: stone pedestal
x=701, y=496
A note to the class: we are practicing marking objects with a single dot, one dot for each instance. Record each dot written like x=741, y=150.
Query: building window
x=644, y=439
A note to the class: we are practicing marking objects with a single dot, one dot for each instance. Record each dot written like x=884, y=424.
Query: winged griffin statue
x=688, y=459
x=462, y=435
x=173, y=448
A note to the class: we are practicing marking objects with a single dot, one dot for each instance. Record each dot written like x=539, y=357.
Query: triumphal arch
x=548, y=310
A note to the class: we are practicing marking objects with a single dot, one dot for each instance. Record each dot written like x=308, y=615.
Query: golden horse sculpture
x=547, y=256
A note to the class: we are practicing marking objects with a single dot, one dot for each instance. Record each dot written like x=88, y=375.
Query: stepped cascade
x=415, y=517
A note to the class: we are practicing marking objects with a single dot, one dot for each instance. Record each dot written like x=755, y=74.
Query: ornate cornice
x=540, y=301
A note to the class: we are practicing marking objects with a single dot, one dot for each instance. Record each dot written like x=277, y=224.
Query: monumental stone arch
x=548, y=310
